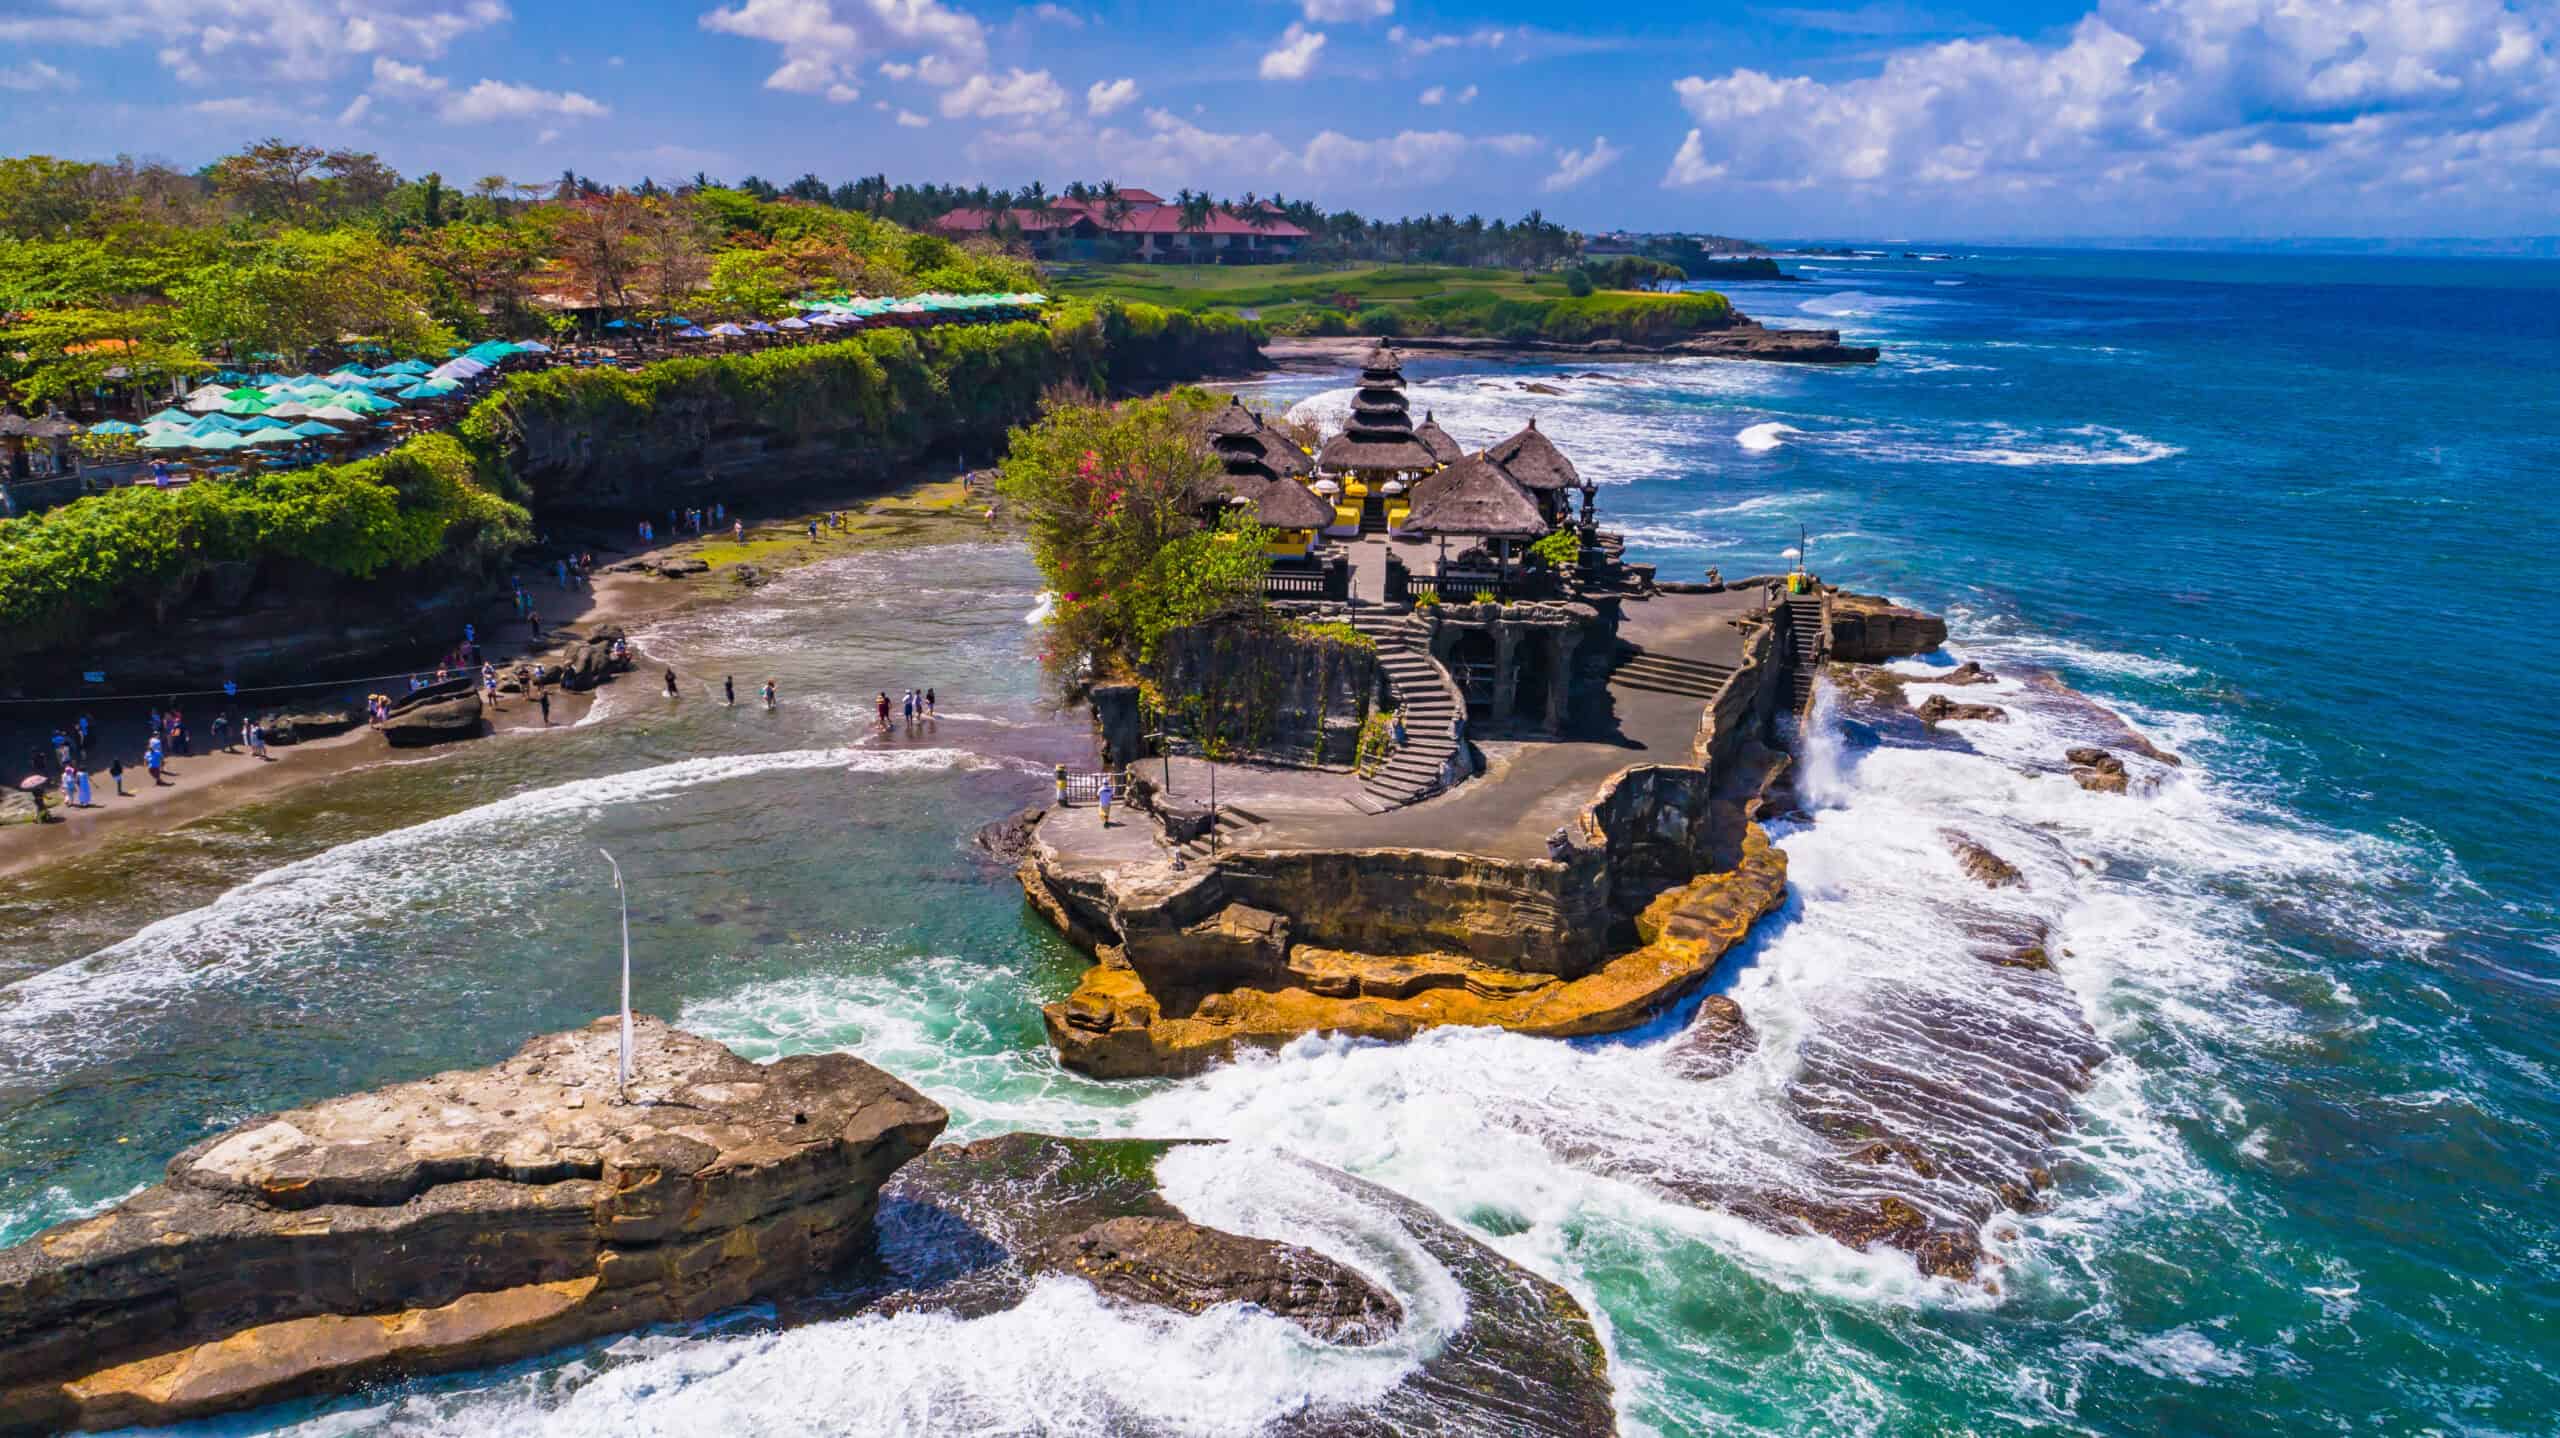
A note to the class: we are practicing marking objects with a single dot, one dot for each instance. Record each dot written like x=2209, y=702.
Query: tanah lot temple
x=1472, y=767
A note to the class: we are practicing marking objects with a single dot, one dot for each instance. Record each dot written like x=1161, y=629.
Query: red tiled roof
x=1146, y=218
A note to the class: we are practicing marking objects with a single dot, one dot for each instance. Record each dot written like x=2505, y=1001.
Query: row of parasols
x=243, y=411
x=840, y=313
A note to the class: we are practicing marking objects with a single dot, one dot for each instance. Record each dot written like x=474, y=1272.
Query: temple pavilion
x=1370, y=466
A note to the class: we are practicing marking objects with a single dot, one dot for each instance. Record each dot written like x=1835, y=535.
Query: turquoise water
x=2288, y=516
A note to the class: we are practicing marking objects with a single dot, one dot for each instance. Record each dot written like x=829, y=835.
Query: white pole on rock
x=622, y=1066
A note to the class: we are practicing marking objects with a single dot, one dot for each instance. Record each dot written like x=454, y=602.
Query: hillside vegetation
x=1410, y=299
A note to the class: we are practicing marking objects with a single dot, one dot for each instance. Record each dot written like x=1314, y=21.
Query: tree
x=602, y=243
x=483, y=267
x=55, y=356
x=272, y=180
x=750, y=282
x=300, y=290
x=676, y=250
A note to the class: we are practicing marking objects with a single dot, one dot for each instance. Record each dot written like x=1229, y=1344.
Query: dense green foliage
x=141, y=545
x=1113, y=496
x=1415, y=300
x=1560, y=550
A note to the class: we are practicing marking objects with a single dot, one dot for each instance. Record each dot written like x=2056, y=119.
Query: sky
x=1978, y=119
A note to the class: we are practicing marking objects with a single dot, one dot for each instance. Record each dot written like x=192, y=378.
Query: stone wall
x=1267, y=691
x=1745, y=706
x=1866, y=629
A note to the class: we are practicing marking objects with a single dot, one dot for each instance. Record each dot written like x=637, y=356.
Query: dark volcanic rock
x=683, y=568
x=472, y=1218
x=1866, y=629
x=1966, y=673
x=1986, y=868
x=589, y=662
x=746, y=575
x=311, y=724
x=965, y=1228
x=1939, y=709
x=1714, y=1044
x=1534, y=387
x=417, y=722
x=1006, y=840
x=1179, y=1265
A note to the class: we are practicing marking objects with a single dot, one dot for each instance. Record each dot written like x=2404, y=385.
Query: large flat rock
x=469, y=1218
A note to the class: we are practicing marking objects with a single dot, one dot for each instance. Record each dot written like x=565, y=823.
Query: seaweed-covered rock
x=1985, y=867
x=1180, y=1265
x=1939, y=709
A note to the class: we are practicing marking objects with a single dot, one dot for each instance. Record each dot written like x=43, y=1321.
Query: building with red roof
x=1138, y=225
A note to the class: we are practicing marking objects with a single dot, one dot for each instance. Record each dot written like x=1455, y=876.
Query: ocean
x=2287, y=515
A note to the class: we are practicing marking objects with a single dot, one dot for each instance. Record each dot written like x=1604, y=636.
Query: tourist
x=1061, y=776
x=470, y=634
x=70, y=787
x=61, y=747
x=222, y=731
x=738, y=531
x=177, y=735
x=115, y=773
x=772, y=694
x=729, y=689
x=533, y=621
x=258, y=741
x=546, y=708
x=1104, y=794
x=83, y=729
x=813, y=529
x=928, y=704
x=1395, y=729
x=671, y=684
x=88, y=799
x=153, y=760
x=884, y=711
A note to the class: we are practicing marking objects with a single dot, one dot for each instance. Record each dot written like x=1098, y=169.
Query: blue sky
x=1971, y=118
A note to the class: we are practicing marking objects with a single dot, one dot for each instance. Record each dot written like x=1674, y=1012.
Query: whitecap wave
x=1766, y=435
x=1044, y=609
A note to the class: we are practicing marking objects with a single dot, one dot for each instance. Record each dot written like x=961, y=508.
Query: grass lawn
x=1398, y=299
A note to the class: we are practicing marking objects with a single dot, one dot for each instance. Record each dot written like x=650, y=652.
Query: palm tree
x=1196, y=210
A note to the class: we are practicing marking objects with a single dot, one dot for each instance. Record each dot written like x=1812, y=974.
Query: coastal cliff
x=471, y=1218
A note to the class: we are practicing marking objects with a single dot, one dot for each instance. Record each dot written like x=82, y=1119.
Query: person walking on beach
x=258, y=742
x=533, y=621
x=1104, y=793
x=115, y=773
x=671, y=683
x=153, y=761
x=738, y=531
x=928, y=704
x=88, y=800
x=772, y=694
x=884, y=711
x=729, y=690
x=222, y=732
x=546, y=708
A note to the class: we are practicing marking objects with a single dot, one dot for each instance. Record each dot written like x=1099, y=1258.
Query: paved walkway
x=1530, y=787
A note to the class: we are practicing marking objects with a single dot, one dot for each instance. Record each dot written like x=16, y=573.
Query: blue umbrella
x=617, y=324
x=313, y=429
x=114, y=426
x=692, y=332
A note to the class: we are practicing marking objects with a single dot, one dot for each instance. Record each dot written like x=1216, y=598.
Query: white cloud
x=355, y=111
x=843, y=94
x=237, y=107
x=546, y=137
x=498, y=100
x=1434, y=95
x=1467, y=96
x=1575, y=166
x=1349, y=11
x=1295, y=55
x=897, y=69
x=2185, y=105
x=1418, y=45
x=393, y=77
x=1172, y=150
x=199, y=41
x=1104, y=96
x=1049, y=14
x=909, y=119
x=35, y=75
x=822, y=43
x=1022, y=92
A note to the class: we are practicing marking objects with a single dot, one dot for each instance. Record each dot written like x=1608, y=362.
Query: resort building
x=1138, y=225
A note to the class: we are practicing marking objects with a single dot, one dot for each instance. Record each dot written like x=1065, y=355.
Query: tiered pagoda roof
x=1263, y=465
x=1437, y=440
x=1380, y=435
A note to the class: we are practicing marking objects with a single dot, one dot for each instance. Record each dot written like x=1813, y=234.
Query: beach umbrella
x=693, y=332
x=425, y=390
x=216, y=391
x=672, y=321
x=351, y=368
x=176, y=416
x=532, y=347
x=218, y=439
x=246, y=392
x=407, y=366
x=114, y=426
x=617, y=324
x=272, y=434
x=726, y=330
x=794, y=323
x=169, y=439
x=759, y=328
x=290, y=409
x=338, y=413
x=313, y=429
x=255, y=404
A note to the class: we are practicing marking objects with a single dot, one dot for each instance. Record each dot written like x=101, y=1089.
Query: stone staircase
x=1802, y=616
x=1426, y=699
x=1232, y=824
x=1639, y=668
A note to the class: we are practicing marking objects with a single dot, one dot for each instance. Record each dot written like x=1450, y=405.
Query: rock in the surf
x=2098, y=771
x=589, y=662
x=1984, y=867
x=1866, y=629
x=310, y=724
x=1175, y=1264
x=1968, y=672
x=472, y=1218
x=1715, y=1043
x=1939, y=709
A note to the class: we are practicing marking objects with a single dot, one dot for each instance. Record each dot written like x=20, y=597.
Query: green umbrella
x=220, y=439
x=313, y=429
x=272, y=434
x=171, y=439
x=255, y=404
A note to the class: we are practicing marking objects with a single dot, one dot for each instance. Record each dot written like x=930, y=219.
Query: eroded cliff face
x=1866, y=629
x=471, y=1218
x=1268, y=690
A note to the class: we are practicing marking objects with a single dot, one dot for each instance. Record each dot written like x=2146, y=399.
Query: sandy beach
x=627, y=591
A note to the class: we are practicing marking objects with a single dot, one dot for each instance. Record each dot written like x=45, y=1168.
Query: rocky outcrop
x=1743, y=339
x=1968, y=672
x=471, y=1218
x=969, y=1228
x=1174, y=1264
x=434, y=717
x=1715, y=1043
x=1269, y=690
x=588, y=662
x=311, y=724
x=1939, y=709
x=1980, y=864
x=1119, y=1025
x=1866, y=629
x=2098, y=771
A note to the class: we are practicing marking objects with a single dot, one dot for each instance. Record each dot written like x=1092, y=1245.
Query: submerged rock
x=472, y=1218
x=1714, y=1044
x=970, y=1227
x=589, y=662
x=1175, y=1264
x=1968, y=672
x=1939, y=709
x=2098, y=771
x=1986, y=868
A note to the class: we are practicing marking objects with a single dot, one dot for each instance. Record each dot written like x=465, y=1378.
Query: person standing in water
x=772, y=695
x=884, y=711
x=729, y=688
x=928, y=704
x=546, y=708
x=671, y=684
